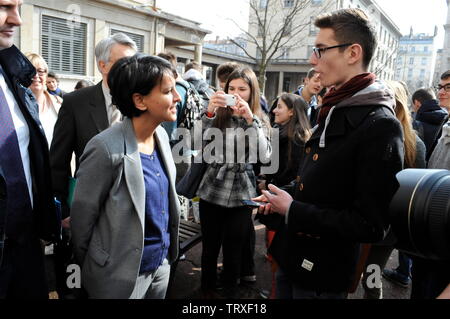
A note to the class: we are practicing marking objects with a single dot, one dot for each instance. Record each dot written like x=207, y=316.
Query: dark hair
x=136, y=74
x=169, y=56
x=52, y=74
x=193, y=65
x=322, y=92
x=298, y=129
x=351, y=26
x=311, y=73
x=445, y=75
x=224, y=70
x=83, y=84
x=423, y=95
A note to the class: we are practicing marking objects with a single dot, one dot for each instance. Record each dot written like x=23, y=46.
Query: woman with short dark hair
x=125, y=208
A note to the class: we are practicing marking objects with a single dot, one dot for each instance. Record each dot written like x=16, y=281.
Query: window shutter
x=63, y=46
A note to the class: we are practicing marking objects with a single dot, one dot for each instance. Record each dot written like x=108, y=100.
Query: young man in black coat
x=347, y=175
x=429, y=118
x=27, y=210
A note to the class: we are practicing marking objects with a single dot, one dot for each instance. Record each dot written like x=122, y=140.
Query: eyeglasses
x=41, y=71
x=446, y=87
x=318, y=51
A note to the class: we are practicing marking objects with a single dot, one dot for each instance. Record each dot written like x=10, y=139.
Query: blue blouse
x=156, y=229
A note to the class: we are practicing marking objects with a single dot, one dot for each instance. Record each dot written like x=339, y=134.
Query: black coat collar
x=343, y=119
x=98, y=111
x=16, y=66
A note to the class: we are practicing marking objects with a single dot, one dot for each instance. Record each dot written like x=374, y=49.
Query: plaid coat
x=229, y=180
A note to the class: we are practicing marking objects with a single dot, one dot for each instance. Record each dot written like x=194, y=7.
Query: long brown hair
x=223, y=116
x=298, y=129
x=403, y=115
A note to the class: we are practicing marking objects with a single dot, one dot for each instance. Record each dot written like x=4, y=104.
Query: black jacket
x=342, y=193
x=288, y=168
x=82, y=116
x=22, y=273
x=428, y=123
x=43, y=223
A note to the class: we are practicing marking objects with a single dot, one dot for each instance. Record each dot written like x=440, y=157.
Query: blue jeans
x=404, y=266
x=286, y=289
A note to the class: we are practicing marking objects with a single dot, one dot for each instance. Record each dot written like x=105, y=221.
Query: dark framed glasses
x=318, y=51
x=446, y=87
x=41, y=71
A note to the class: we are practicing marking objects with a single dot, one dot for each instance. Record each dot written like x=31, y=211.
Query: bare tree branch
x=277, y=28
x=243, y=48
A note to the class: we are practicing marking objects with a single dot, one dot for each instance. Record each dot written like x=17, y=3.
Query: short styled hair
x=136, y=74
x=169, y=56
x=83, y=84
x=351, y=26
x=52, y=74
x=423, y=95
x=224, y=70
x=36, y=59
x=193, y=65
x=311, y=73
x=445, y=75
x=103, y=48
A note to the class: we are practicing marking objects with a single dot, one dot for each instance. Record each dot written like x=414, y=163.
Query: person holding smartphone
x=226, y=222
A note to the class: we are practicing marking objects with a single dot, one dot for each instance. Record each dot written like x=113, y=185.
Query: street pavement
x=186, y=283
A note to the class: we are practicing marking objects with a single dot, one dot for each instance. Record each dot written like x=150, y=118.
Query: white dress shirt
x=114, y=114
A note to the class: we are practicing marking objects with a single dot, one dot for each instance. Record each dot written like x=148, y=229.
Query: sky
x=216, y=15
x=423, y=15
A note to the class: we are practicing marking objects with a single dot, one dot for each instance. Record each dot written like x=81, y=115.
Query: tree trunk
x=262, y=77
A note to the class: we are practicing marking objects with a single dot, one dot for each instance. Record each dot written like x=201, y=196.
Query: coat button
x=301, y=187
x=315, y=157
x=308, y=150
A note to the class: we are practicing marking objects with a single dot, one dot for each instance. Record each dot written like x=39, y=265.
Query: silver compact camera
x=230, y=99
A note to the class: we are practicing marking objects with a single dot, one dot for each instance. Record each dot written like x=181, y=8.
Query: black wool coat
x=341, y=197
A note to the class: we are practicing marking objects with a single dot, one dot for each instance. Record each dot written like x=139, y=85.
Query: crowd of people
x=90, y=177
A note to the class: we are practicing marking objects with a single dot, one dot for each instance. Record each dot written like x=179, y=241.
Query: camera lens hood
x=420, y=213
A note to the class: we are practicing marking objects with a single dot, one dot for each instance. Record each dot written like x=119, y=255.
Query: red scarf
x=350, y=88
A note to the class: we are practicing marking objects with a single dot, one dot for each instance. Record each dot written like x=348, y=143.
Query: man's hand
x=278, y=200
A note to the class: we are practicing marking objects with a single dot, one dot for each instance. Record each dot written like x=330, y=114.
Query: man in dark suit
x=27, y=210
x=85, y=113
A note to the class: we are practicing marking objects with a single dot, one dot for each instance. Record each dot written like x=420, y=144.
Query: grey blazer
x=108, y=211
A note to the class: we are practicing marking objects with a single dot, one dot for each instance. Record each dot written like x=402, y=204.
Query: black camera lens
x=420, y=213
